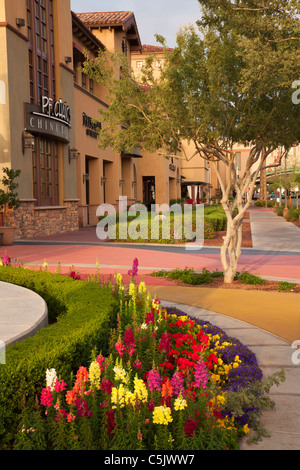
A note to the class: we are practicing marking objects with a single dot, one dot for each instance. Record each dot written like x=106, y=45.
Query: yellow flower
x=95, y=374
x=180, y=403
x=142, y=287
x=221, y=399
x=120, y=374
x=235, y=365
x=246, y=428
x=162, y=415
x=118, y=278
x=118, y=396
x=140, y=390
x=215, y=377
x=132, y=289
x=130, y=397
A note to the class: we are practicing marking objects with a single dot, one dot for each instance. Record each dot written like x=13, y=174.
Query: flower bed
x=168, y=382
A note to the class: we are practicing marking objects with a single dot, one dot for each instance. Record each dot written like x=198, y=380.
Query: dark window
x=41, y=49
x=42, y=82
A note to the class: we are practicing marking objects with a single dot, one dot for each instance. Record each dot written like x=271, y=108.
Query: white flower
x=51, y=378
x=144, y=326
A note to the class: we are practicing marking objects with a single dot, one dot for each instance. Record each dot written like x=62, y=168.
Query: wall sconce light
x=133, y=184
x=103, y=180
x=68, y=59
x=121, y=182
x=73, y=154
x=178, y=180
x=20, y=22
x=27, y=141
x=85, y=178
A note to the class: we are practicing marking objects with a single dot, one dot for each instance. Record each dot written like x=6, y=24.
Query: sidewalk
x=273, y=354
x=271, y=232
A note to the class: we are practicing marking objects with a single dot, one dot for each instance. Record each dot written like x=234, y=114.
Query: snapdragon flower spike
x=133, y=272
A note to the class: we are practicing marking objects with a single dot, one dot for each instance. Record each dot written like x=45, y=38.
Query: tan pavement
x=275, y=312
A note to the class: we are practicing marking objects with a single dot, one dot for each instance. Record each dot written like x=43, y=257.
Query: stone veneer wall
x=32, y=221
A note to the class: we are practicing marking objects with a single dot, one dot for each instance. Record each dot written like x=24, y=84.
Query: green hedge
x=85, y=314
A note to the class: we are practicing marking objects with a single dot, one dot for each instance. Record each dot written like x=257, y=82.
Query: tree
x=220, y=86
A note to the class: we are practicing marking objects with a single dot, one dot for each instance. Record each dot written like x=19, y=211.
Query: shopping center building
x=49, y=121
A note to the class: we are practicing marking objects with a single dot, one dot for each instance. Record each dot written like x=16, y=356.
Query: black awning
x=194, y=183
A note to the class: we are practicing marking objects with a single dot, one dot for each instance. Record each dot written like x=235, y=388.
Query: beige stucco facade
x=15, y=42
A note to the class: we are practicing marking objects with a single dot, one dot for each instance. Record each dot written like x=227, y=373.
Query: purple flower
x=154, y=380
x=201, y=374
x=134, y=270
x=6, y=260
x=177, y=383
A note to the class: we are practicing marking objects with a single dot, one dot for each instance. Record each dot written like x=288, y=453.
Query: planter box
x=8, y=235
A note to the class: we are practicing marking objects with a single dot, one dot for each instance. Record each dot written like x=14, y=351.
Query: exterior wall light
x=20, y=22
x=121, y=182
x=68, y=59
x=27, y=141
x=103, y=180
x=73, y=154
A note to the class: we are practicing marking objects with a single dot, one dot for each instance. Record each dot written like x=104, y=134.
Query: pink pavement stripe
x=285, y=266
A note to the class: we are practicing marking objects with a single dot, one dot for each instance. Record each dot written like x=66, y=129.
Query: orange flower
x=167, y=389
x=71, y=397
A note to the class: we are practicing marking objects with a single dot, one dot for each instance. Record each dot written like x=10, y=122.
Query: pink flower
x=6, y=260
x=201, y=374
x=154, y=380
x=59, y=386
x=137, y=364
x=134, y=270
x=120, y=347
x=46, y=397
x=177, y=383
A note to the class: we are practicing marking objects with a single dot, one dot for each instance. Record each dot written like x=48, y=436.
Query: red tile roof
x=108, y=18
x=150, y=49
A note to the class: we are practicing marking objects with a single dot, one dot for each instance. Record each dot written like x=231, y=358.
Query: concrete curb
x=273, y=354
x=22, y=313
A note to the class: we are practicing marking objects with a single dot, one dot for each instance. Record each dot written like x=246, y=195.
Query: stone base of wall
x=32, y=222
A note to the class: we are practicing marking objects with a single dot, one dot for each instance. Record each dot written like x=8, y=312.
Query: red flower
x=190, y=427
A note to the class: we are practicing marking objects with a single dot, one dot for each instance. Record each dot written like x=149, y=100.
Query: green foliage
x=254, y=396
x=9, y=198
x=248, y=278
x=293, y=215
x=279, y=210
x=189, y=276
x=84, y=321
x=261, y=203
x=283, y=285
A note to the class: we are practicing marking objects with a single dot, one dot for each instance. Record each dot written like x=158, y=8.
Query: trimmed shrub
x=248, y=278
x=283, y=285
x=293, y=215
x=85, y=313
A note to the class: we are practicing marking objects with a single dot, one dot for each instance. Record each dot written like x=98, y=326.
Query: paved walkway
x=270, y=232
x=266, y=322
x=273, y=354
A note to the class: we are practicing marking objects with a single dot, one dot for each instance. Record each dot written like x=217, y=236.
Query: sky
x=163, y=17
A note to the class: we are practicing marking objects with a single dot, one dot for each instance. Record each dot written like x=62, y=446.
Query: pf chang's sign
x=56, y=109
x=51, y=119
